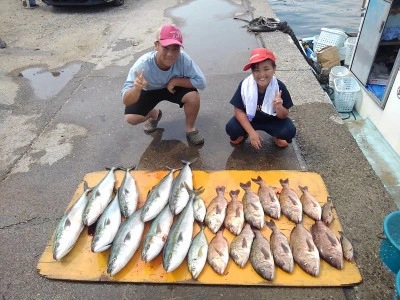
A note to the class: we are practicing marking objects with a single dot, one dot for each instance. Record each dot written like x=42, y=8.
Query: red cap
x=258, y=55
x=170, y=35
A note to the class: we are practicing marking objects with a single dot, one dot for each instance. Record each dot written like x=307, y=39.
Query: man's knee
x=133, y=119
x=191, y=97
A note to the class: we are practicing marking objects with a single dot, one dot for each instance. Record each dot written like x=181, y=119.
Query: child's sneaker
x=151, y=125
x=280, y=143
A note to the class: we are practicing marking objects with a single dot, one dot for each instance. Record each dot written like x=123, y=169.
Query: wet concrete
x=82, y=130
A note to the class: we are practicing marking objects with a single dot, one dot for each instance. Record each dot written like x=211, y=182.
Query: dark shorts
x=149, y=99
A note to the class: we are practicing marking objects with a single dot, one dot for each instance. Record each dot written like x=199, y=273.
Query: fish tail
x=257, y=180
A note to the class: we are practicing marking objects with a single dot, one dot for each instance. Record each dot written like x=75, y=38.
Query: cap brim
x=169, y=42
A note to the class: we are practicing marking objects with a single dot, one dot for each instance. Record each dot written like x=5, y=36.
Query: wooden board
x=83, y=265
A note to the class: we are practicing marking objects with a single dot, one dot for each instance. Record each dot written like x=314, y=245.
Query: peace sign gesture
x=277, y=100
x=140, y=82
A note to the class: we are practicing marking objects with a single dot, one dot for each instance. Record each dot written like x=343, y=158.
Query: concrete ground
x=81, y=129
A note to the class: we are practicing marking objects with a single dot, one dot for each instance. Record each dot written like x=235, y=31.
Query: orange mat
x=83, y=265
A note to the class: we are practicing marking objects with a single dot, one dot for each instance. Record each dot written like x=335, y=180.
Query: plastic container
x=346, y=92
x=315, y=60
x=389, y=251
x=397, y=291
x=330, y=37
x=349, y=45
x=338, y=72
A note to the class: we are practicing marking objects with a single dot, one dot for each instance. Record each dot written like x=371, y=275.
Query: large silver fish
x=253, y=211
x=261, y=257
x=199, y=209
x=179, y=195
x=218, y=253
x=290, y=202
x=128, y=194
x=329, y=247
x=311, y=207
x=197, y=255
x=327, y=214
x=99, y=198
x=269, y=200
x=241, y=245
x=216, y=210
x=70, y=226
x=157, y=199
x=234, y=220
x=180, y=235
x=305, y=253
x=280, y=247
x=126, y=242
x=157, y=234
x=107, y=226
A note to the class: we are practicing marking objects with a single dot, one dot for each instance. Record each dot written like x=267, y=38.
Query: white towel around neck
x=249, y=92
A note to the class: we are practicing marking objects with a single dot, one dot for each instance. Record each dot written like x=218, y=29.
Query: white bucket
x=349, y=46
x=338, y=72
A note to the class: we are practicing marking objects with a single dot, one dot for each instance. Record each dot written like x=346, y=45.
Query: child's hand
x=140, y=82
x=277, y=100
x=255, y=139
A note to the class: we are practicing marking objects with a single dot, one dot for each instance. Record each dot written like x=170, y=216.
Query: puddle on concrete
x=207, y=33
x=47, y=84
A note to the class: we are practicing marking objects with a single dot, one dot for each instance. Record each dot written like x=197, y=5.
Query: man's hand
x=171, y=86
x=140, y=82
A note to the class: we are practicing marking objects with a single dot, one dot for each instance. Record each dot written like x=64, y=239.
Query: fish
x=199, y=209
x=241, y=245
x=305, y=253
x=218, y=253
x=290, y=203
x=70, y=226
x=280, y=247
x=328, y=245
x=261, y=257
x=197, y=255
x=269, y=200
x=253, y=211
x=180, y=235
x=128, y=194
x=327, y=214
x=216, y=210
x=348, y=252
x=234, y=219
x=99, y=198
x=107, y=226
x=310, y=205
x=179, y=196
x=157, y=198
x=157, y=234
x=126, y=242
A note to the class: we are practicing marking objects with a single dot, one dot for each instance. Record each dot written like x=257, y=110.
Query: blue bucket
x=397, y=293
x=389, y=251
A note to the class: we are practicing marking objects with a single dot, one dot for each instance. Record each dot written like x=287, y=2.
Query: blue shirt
x=156, y=78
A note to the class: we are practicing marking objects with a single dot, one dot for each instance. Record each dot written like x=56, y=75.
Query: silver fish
x=234, y=220
x=290, y=202
x=311, y=207
x=157, y=199
x=218, y=253
x=126, y=242
x=157, y=234
x=199, y=209
x=99, y=198
x=268, y=199
x=261, y=257
x=328, y=244
x=326, y=214
x=305, y=253
x=241, y=246
x=70, y=226
x=180, y=235
x=216, y=210
x=348, y=252
x=280, y=247
x=107, y=227
x=128, y=194
x=253, y=211
x=179, y=195
x=197, y=255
